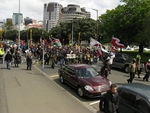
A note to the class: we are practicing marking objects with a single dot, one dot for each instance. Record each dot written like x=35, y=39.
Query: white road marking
x=56, y=75
x=94, y=102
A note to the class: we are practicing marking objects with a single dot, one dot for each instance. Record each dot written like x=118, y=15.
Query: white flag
x=94, y=42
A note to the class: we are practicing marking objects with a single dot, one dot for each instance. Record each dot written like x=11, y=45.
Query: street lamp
x=19, y=27
x=72, y=34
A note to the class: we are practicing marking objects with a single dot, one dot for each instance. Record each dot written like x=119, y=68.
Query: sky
x=34, y=8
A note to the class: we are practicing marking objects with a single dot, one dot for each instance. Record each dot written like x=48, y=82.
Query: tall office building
x=27, y=21
x=16, y=18
x=51, y=15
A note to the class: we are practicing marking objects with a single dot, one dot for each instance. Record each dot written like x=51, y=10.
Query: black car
x=134, y=98
x=122, y=61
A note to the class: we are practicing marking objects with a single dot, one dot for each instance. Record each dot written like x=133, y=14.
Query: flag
x=98, y=52
x=56, y=42
x=116, y=42
x=100, y=48
x=94, y=42
x=113, y=48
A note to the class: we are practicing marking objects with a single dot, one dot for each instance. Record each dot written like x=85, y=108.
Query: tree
x=8, y=26
x=11, y=35
x=145, y=33
x=86, y=27
x=125, y=21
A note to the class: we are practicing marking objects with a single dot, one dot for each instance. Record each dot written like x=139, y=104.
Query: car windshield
x=126, y=57
x=87, y=72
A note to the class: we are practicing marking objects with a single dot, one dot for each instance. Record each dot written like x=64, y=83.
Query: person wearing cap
x=147, y=70
x=132, y=71
x=110, y=101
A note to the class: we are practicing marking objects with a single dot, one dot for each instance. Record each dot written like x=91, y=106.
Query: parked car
x=134, y=98
x=85, y=79
x=122, y=61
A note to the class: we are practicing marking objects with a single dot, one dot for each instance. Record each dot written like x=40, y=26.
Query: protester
x=8, y=59
x=29, y=62
x=138, y=67
x=17, y=59
x=110, y=101
x=105, y=70
x=132, y=70
x=147, y=70
x=110, y=60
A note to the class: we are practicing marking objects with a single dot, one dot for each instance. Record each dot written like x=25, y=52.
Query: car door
x=72, y=77
x=117, y=61
x=127, y=102
x=142, y=105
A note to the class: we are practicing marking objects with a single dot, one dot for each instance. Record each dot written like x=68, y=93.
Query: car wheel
x=126, y=69
x=80, y=92
x=61, y=79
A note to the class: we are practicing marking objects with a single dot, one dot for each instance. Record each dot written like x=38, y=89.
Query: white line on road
x=52, y=76
x=94, y=102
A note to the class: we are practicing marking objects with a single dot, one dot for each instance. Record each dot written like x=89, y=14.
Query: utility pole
x=19, y=27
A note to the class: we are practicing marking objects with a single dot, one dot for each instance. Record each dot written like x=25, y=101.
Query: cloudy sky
x=34, y=8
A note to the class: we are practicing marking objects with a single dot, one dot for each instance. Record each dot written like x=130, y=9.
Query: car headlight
x=88, y=88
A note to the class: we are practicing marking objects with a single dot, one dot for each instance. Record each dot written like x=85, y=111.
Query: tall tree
x=8, y=26
x=86, y=28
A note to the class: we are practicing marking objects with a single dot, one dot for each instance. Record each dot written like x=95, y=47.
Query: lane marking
x=94, y=102
x=55, y=75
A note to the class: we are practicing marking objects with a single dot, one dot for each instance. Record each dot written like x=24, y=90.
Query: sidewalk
x=25, y=91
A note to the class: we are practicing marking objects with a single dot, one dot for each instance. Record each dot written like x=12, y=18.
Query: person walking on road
x=110, y=101
x=132, y=70
x=138, y=66
x=110, y=60
x=8, y=59
x=29, y=62
x=17, y=59
x=147, y=70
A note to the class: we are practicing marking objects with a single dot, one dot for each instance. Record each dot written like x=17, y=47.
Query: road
x=34, y=92
x=118, y=77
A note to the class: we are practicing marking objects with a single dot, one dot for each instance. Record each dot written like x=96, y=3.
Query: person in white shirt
x=110, y=60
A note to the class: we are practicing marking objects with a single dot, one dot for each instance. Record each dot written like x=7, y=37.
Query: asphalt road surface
x=117, y=76
x=34, y=92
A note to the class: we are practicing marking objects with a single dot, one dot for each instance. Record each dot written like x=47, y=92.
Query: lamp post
x=19, y=27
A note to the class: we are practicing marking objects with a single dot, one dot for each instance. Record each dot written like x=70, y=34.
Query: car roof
x=138, y=88
x=76, y=66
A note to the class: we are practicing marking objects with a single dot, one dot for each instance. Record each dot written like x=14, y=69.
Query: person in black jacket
x=8, y=59
x=110, y=101
x=29, y=62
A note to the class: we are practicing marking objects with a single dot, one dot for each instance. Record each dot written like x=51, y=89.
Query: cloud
x=34, y=8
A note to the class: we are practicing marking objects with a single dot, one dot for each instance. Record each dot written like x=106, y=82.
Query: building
x=51, y=15
x=1, y=24
x=16, y=19
x=9, y=20
x=27, y=21
x=73, y=11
